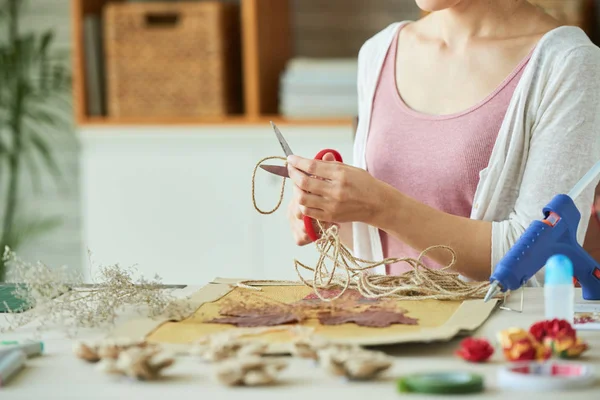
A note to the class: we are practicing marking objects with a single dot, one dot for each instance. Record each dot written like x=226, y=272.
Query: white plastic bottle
x=559, y=290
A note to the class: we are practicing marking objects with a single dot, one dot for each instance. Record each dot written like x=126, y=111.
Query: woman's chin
x=436, y=5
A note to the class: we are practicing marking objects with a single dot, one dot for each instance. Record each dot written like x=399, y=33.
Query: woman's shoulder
x=379, y=42
x=567, y=43
x=372, y=53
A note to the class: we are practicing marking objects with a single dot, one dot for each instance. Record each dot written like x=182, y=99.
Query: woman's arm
x=421, y=226
x=352, y=194
x=564, y=142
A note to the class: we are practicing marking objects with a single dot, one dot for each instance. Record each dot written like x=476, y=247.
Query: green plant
x=34, y=84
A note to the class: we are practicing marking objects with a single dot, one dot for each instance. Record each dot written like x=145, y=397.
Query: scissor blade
x=277, y=170
x=284, y=144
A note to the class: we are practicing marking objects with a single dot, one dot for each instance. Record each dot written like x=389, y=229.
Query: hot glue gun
x=555, y=234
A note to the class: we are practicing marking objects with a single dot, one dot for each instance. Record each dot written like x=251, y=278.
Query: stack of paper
x=317, y=88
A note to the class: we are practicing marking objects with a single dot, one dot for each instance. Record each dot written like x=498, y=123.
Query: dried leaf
x=373, y=317
x=257, y=319
x=256, y=314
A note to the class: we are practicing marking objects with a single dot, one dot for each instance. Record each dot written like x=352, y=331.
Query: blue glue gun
x=555, y=234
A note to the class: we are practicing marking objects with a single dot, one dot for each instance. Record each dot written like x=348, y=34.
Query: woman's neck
x=478, y=19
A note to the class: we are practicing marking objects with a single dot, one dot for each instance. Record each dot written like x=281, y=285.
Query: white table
x=59, y=375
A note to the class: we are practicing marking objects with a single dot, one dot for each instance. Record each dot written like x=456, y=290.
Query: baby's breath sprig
x=59, y=296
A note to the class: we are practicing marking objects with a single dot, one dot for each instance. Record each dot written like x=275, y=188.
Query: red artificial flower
x=552, y=329
x=559, y=336
x=475, y=350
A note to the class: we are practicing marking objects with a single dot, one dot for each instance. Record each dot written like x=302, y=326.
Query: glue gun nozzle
x=494, y=289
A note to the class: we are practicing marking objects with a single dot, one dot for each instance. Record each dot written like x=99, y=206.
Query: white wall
x=176, y=201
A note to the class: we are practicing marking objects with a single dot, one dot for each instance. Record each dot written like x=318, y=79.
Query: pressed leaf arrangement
x=34, y=108
x=350, y=307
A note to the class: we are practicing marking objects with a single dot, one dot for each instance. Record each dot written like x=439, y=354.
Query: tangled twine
x=419, y=284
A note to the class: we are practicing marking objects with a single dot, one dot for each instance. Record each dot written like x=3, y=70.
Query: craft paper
x=437, y=320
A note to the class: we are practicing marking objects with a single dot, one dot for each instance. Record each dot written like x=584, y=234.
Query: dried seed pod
x=86, y=352
x=248, y=371
x=309, y=347
x=303, y=349
x=112, y=348
x=218, y=350
x=144, y=364
x=354, y=364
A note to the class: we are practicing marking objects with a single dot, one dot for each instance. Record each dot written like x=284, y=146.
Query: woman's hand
x=335, y=192
x=296, y=216
x=297, y=223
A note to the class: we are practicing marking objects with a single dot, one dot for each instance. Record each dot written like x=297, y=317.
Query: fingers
x=301, y=237
x=295, y=217
x=306, y=199
x=297, y=213
x=307, y=183
x=322, y=169
x=328, y=157
x=315, y=213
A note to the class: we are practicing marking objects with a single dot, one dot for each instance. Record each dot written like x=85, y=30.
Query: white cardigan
x=548, y=140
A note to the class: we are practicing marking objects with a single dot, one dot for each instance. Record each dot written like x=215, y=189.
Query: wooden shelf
x=266, y=48
x=232, y=120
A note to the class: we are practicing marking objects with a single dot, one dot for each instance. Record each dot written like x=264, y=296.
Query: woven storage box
x=177, y=59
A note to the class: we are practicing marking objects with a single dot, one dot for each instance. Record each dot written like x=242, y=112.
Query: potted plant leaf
x=34, y=104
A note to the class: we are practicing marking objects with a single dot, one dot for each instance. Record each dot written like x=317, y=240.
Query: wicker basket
x=179, y=59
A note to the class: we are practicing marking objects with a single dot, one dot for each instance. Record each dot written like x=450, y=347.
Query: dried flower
x=141, y=363
x=475, y=350
x=86, y=352
x=218, y=349
x=354, y=364
x=306, y=348
x=248, y=371
x=106, y=349
x=60, y=296
x=309, y=346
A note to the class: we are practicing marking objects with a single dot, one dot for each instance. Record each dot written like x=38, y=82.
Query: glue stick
x=559, y=291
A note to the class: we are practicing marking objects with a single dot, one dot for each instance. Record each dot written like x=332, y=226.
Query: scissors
x=283, y=171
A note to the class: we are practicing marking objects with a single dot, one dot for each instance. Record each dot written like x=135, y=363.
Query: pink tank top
x=433, y=159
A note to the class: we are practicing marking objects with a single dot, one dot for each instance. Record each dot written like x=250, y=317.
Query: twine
x=349, y=272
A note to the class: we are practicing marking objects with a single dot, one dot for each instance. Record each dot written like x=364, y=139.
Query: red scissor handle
x=308, y=221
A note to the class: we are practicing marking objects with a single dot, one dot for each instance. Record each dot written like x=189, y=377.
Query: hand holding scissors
x=283, y=171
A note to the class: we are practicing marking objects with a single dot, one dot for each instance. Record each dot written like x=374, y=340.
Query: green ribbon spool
x=441, y=383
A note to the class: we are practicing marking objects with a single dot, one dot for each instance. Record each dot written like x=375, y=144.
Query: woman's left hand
x=336, y=192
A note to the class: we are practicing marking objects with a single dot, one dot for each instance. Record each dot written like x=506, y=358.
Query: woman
x=470, y=120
